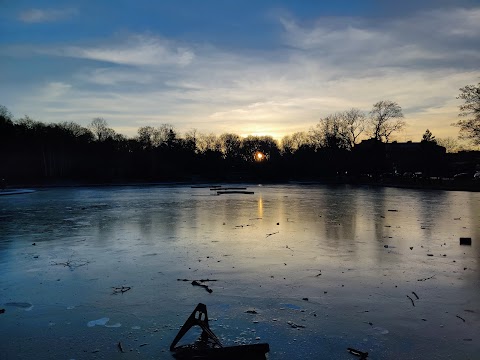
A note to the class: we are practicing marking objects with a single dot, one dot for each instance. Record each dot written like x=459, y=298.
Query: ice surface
x=65, y=247
x=22, y=305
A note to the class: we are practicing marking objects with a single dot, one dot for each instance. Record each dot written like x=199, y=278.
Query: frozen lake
x=339, y=261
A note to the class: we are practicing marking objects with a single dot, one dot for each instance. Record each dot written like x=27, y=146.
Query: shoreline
x=437, y=184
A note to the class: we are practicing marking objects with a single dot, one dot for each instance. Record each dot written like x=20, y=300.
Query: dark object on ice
x=120, y=347
x=465, y=241
x=197, y=283
x=227, y=188
x=276, y=232
x=458, y=316
x=411, y=300
x=414, y=293
x=295, y=326
x=363, y=355
x=21, y=305
x=305, y=298
x=120, y=289
x=200, y=280
x=385, y=246
x=2, y=311
x=425, y=279
x=208, y=346
x=234, y=192
x=392, y=210
x=72, y=264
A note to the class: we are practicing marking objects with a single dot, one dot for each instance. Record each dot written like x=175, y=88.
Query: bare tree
x=331, y=132
x=208, y=142
x=230, y=145
x=470, y=128
x=355, y=123
x=165, y=134
x=100, y=129
x=450, y=144
x=339, y=130
x=145, y=136
x=6, y=125
x=291, y=143
x=29, y=123
x=299, y=139
x=191, y=139
x=77, y=130
x=154, y=137
x=5, y=114
x=386, y=117
x=286, y=145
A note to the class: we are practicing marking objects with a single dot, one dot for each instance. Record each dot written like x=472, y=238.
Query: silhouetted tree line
x=35, y=152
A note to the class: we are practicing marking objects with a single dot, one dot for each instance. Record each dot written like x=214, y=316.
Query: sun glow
x=259, y=156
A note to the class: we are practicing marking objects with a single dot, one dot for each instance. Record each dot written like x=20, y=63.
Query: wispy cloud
x=55, y=89
x=427, y=39
x=46, y=15
x=136, y=50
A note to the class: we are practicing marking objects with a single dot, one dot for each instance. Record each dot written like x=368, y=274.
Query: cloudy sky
x=247, y=66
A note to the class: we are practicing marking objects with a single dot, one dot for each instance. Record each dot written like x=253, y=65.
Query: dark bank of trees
x=32, y=152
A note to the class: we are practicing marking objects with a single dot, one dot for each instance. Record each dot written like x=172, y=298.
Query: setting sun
x=259, y=156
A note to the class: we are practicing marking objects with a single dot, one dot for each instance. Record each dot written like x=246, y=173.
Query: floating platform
x=223, y=192
x=228, y=188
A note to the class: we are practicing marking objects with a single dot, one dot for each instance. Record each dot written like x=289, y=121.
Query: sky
x=250, y=67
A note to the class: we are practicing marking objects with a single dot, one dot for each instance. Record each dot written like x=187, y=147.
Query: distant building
x=464, y=162
x=398, y=158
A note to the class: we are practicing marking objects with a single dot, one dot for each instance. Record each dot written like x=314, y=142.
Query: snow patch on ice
x=99, y=322
x=380, y=330
x=103, y=322
x=113, y=325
